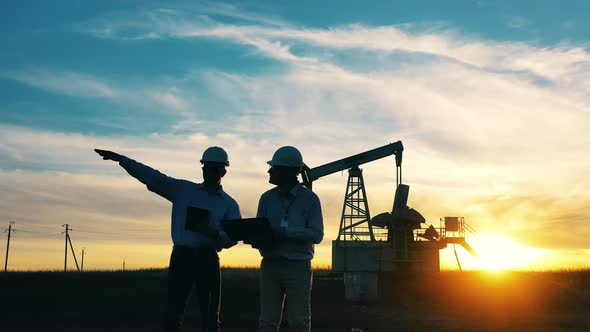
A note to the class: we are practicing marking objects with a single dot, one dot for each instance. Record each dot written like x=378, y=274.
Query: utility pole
x=82, y=265
x=66, y=247
x=10, y=230
x=123, y=265
x=69, y=240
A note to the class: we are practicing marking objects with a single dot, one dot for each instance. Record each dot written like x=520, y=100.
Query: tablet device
x=246, y=228
x=197, y=219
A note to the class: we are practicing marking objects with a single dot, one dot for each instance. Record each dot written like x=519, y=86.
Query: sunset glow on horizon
x=496, y=253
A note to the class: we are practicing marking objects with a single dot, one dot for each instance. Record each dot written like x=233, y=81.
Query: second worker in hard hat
x=197, y=209
x=295, y=215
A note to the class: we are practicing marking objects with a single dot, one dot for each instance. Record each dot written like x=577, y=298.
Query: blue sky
x=53, y=38
x=490, y=99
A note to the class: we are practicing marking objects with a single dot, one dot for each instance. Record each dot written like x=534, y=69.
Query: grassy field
x=446, y=301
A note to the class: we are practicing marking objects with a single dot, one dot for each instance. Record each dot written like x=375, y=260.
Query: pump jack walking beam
x=311, y=174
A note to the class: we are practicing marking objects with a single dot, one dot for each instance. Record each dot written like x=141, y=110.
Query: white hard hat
x=286, y=156
x=215, y=154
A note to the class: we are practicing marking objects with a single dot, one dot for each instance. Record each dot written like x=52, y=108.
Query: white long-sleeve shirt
x=301, y=214
x=182, y=194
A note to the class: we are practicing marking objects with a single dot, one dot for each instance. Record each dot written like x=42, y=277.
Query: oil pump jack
x=366, y=247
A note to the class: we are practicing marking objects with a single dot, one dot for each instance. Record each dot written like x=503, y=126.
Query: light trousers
x=282, y=279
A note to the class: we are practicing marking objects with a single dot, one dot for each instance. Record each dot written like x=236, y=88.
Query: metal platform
x=381, y=256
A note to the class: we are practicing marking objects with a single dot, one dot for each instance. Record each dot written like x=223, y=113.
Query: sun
x=497, y=253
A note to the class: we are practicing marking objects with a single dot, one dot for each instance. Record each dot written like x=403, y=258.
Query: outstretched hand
x=108, y=155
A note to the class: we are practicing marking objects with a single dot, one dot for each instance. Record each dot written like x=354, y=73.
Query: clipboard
x=197, y=219
x=252, y=231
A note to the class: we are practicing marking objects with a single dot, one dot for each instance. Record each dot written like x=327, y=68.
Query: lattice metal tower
x=354, y=223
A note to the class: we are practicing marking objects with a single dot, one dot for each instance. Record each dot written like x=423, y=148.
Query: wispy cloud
x=170, y=99
x=157, y=23
x=553, y=63
x=421, y=100
x=236, y=12
x=76, y=84
x=65, y=82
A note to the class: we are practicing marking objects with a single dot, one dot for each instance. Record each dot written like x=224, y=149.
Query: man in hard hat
x=295, y=215
x=197, y=209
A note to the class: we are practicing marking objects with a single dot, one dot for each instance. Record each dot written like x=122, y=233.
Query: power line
x=33, y=231
x=157, y=230
x=35, y=225
x=124, y=235
x=93, y=232
x=26, y=234
x=38, y=232
x=125, y=231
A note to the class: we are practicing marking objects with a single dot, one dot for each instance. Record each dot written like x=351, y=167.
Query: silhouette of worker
x=197, y=209
x=295, y=215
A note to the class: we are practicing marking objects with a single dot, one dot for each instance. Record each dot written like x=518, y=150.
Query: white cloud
x=170, y=100
x=549, y=62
